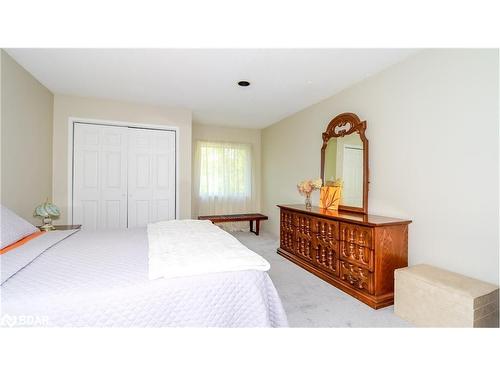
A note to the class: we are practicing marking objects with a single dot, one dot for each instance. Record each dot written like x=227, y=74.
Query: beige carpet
x=310, y=301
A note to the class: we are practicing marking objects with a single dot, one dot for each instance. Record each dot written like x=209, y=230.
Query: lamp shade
x=47, y=209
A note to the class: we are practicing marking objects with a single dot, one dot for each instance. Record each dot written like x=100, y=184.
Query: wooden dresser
x=355, y=252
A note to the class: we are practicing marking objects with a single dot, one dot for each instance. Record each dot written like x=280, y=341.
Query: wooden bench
x=237, y=217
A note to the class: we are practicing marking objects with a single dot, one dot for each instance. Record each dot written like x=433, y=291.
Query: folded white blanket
x=193, y=247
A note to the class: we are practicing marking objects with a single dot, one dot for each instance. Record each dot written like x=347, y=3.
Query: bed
x=81, y=278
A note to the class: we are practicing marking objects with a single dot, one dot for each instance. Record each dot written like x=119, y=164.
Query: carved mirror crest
x=344, y=159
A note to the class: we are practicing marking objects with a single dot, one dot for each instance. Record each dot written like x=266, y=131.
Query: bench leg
x=257, y=227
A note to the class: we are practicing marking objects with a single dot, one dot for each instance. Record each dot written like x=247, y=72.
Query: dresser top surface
x=350, y=217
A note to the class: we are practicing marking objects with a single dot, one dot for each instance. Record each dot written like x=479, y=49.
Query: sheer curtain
x=223, y=179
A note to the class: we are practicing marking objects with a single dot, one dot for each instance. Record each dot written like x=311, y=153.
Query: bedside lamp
x=47, y=211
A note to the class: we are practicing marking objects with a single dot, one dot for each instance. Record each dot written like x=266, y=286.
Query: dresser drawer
x=326, y=256
x=327, y=230
x=287, y=239
x=287, y=230
x=303, y=224
x=358, y=234
x=359, y=278
x=303, y=246
x=359, y=255
x=287, y=219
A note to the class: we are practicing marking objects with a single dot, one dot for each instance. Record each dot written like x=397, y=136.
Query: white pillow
x=13, y=227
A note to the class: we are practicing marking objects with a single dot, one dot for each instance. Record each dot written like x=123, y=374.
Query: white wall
x=433, y=137
x=237, y=135
x=26, y=133
x=110, y=110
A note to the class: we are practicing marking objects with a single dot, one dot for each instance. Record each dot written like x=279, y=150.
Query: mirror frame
x=336, y=129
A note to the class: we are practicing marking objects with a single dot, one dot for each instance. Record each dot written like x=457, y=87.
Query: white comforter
x=101, y=279
x=194, y=247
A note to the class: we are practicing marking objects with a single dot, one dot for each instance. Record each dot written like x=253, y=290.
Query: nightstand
x=65, y=227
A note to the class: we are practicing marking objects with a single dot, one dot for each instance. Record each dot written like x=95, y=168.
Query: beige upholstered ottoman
x=432, y=297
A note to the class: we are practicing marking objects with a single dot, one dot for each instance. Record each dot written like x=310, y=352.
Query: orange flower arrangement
x=331, y=195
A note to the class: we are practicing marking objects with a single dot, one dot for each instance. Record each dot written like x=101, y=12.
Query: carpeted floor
x=310, y=301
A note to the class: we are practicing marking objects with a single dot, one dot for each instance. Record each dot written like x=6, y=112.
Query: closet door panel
x=151, y=176
x=90, y=173
x=100, y=176
x=163, y=205
x=139, y=184
x=113, y=177
x=87, y=213
x=86, y=192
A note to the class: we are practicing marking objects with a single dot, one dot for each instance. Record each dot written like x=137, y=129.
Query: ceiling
x=283, y=81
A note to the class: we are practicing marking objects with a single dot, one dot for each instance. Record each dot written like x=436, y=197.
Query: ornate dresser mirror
x=344, y=160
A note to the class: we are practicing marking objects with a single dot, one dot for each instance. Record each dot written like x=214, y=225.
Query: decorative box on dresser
x=355, y=252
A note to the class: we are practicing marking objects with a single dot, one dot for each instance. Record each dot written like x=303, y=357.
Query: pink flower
x=306, y=187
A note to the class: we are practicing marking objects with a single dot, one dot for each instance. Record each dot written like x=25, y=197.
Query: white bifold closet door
x=100, y=176
x=151, y=176
x=122, y=177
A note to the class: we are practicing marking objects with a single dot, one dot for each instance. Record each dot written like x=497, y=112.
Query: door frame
x=71, y=142
x=352, y=147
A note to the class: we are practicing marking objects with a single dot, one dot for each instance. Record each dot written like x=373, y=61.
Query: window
x=225, y=170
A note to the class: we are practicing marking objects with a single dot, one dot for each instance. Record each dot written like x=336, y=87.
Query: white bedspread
x=180, y=248
x=14, y=260
x=101, y=279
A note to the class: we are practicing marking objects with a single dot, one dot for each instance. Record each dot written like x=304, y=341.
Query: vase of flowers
x=306, y=188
